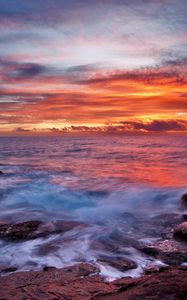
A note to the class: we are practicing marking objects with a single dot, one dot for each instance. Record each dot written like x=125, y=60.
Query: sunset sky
x=100, y=65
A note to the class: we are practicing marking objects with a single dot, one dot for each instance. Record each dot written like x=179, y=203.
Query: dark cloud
x=19, y=71
x=85, y=128
x=21, y=98
x=25, y=71
x=20, y=129
x=156, y=125
x=176, y=61
x=28, y=70
x=83, y=68
x=148, y=76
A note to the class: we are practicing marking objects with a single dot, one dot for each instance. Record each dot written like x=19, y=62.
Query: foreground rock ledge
x=81, y=282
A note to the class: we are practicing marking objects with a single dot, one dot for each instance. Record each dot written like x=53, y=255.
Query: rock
x=9, y=270
x=119, y=263
x=184, y=199
x=162, y=224
x=58, y=226
x=1, y=172
x=169, y=251
x=83, y=269
x=21, y=231
x=48, y=268
x=115, y=241
x=35, y=229
x=166, y=285
x=152, y=268
x=64, y=225
x=180, y=231
x=155, y=226
x=46, y=248
x=72, y=283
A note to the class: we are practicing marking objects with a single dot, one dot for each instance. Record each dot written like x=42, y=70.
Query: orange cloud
x=34, y=97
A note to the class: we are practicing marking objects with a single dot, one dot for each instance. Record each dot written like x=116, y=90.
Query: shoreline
x=82, y=282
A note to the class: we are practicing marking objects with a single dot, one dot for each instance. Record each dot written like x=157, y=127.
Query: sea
x=113, y=186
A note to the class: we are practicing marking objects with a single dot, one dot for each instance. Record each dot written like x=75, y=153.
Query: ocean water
x=113, y=186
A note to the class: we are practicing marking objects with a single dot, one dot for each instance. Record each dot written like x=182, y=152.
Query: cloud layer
x=81, y=64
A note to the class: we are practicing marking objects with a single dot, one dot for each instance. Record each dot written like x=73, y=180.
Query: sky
x=100, y=65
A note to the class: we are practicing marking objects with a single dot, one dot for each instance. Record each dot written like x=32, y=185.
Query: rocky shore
x=84, y=281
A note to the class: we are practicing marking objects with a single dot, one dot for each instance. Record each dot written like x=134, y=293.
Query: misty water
x=112, y=186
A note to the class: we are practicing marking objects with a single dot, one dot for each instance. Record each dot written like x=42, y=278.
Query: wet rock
x=117, y=240
x=156, y=226
x=169, y=251
x=21, y=231
x=46, y=248
x=184, y=199
x=48, y=268
x=106, y=244
x=1, y=172
x=165, y=285
x=162, y=224
x=35, y=229
x=64, y=225
x=180, y=231
x=58, y=226
x=119, y=263
x=153, y=268
x=9, y=270
x=69, y=283
x=73, y=282
x=82, y=269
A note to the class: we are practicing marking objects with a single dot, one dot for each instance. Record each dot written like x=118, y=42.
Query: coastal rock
x=165, y=285
x=153, y=268
x=7, y=269
x=71, y=283
x=82, y=269
x=58, y=226
x=184, y=199
x=156, y=226
x=180, y=231
x=21, y=231
x=119, y=263
x=48, y=268
x=169, y=251
x=1, y=172
x=35, y=229
x=162, y=224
